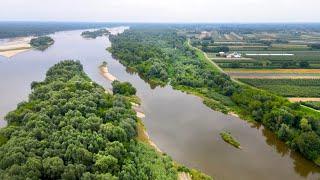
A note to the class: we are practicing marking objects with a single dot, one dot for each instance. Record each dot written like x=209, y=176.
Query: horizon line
x=163, y=22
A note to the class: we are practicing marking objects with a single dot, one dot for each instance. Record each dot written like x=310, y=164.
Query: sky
x=211, y=11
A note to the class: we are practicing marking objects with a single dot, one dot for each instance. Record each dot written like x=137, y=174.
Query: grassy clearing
x=226, y=136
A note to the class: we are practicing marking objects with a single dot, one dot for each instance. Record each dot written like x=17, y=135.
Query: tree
x=53, y=167
x=106, y=164
x=124, y=88
x=304, y=64
x=73, y=171
x=304, y=124
x=309, y=145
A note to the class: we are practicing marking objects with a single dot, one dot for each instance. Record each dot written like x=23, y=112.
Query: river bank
x=189, y=78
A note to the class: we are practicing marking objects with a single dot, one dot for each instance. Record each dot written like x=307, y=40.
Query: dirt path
x=297, y=99
x=206, y=56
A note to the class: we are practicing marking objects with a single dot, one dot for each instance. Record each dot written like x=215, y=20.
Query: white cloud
x=162, y=10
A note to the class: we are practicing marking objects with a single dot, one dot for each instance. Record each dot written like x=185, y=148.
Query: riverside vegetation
x=226, y=136
x=71, y=129
x=163, y=55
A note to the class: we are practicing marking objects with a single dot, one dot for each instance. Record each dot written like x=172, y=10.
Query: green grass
x=312, y=104
x=226, y=136
x=288, y=87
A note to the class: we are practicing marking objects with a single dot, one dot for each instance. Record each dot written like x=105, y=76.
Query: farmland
x=281, y=60
x=292, y=48
x=288, y=87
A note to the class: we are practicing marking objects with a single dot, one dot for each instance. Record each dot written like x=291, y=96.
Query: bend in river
x=177, y=122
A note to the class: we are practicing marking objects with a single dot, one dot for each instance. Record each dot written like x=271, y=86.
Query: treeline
x=42, y=42
x=20, y=29
x=163, y=56
x=71, y=129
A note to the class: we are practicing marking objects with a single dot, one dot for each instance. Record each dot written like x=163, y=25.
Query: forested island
x=71, y=129
x=164, y=55
x=95, y=34
x=42, y=42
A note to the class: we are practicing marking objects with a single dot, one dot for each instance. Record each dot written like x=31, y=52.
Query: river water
x=177, y=122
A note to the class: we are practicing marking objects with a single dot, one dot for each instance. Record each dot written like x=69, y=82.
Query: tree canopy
x=71, y=129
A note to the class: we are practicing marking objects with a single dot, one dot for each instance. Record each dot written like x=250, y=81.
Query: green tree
x=53, y=167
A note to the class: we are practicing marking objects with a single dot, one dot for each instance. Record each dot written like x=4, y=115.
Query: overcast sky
x=162, y=10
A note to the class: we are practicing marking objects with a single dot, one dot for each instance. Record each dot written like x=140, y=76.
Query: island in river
x=41, y=43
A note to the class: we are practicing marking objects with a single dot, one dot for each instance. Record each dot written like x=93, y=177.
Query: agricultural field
x=287, y=48
x=241, y=73
x=288, y=87
x=283, y=61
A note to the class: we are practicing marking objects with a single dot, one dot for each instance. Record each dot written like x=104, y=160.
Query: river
x=178, y=123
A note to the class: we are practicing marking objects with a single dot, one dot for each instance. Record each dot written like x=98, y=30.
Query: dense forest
x=42, y=42
x=71, y=129
x=163, y=56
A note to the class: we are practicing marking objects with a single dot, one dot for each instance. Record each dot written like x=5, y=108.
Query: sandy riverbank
x=14, y=46
x=105, y=73
x=117, y=30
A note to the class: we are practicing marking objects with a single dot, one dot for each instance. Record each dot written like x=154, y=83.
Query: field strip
x=273, y=77
x=297, y=99
x=272, y=71
x=230, y=59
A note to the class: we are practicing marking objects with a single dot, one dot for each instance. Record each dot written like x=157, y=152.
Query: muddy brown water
x=178, y=123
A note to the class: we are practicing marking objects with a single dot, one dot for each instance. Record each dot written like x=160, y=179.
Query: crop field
x=283, y=59
x=288, y=87
x=273, y=73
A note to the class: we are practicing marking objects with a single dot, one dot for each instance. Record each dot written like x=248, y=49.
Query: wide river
x=177, y=122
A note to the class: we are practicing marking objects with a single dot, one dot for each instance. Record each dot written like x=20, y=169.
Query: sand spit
x=14, y=46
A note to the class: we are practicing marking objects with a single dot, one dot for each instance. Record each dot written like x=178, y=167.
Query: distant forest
x=19, y=29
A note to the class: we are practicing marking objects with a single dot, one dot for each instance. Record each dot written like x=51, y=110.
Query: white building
x=234, y=55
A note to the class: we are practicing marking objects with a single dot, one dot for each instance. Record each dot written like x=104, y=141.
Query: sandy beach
x=117, y=30
x=14, y=46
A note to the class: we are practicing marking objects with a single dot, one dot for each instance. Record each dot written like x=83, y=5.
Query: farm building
x=205, y=34
x=234, y=55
